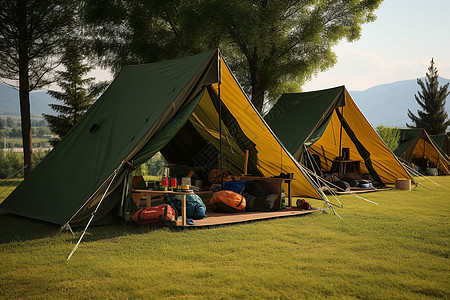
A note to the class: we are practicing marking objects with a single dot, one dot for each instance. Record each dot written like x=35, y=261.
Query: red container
x=173, y=183
x=165, y=181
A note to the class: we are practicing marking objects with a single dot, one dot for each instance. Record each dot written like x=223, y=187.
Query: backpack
x=195, y=208
x=161, y=215
x=303, y=204
x=260, y=197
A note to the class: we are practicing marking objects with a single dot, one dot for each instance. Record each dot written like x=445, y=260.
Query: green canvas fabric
x=408, y=138
x=72, y=177
x=442, y=141
x=318, y=104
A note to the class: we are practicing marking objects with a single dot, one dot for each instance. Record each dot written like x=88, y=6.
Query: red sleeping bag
x=163, y=214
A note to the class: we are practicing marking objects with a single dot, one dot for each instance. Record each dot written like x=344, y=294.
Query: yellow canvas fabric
x=383, y=160
x=272, y=157
x=425, y=148
x=205, y=120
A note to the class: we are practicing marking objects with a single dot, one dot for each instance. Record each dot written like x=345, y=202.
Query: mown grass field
x=396, y=250
x=17, y=142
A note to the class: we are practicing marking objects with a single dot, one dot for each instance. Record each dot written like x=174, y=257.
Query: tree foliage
x=31, y=39
x=273, y=46
x=390, y=136
x=11, y=163
x=78, y=93
x=433, y=117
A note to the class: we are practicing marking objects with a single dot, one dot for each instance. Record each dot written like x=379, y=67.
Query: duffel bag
x=195, y=208
x=162, y=215
x=228, y=201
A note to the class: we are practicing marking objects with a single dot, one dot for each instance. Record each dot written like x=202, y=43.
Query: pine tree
x=77, y=93
x=32, y=35
x=433, y=118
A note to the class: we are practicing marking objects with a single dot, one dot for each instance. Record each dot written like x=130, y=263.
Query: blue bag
x=195, y=208
x=236, y=186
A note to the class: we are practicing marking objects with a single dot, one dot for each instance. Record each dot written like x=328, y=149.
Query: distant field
x=398, y=249
x=17, y=142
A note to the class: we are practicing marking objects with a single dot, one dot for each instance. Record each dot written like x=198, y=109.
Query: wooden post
x=289, y=193
x=183, y=209
x=149, y=200
x=246, y=162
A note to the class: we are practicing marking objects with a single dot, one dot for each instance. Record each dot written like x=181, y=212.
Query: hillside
x=9, y=102
x=385, y=104
x=388, y=104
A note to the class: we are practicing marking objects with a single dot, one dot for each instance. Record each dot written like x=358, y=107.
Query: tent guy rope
x=92, y=216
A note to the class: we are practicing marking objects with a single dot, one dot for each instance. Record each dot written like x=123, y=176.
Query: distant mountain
x=385, y=104
x=388, y=104
x=39, y=101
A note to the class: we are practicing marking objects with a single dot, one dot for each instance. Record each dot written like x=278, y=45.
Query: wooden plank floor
x=217, y=219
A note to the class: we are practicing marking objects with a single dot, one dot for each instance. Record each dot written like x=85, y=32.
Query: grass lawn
x=396, y=250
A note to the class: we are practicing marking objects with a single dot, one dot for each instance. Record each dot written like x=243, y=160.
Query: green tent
x=170, y=106
x=326, y=121
x=415, y=146
x=442, y=141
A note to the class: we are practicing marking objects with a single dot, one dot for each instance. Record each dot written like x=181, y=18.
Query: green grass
x=396, y=250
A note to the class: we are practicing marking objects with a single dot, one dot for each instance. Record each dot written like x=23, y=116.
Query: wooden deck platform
x=217, y=219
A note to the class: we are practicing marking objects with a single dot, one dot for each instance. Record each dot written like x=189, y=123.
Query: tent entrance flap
x=202, y=147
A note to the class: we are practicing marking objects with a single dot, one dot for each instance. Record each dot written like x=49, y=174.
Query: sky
x=398, y=45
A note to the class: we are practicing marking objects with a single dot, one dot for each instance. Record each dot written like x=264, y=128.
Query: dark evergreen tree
x=432, y=98
x=77, y=93
x=32, y=33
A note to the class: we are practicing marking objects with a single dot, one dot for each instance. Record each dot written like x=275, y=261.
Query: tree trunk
x=258, y=89
x=24, y=94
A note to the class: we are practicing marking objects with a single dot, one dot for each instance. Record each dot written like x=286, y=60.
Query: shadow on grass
x=15, y=228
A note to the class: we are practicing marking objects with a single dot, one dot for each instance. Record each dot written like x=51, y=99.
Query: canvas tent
x=326, y=121
x=442, y=141
x=416, y=147
x=169, y=106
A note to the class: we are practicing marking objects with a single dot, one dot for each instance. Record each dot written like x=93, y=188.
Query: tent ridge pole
x=220, y=118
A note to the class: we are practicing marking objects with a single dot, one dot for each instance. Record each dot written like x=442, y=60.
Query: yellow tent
x=327, y=121
x=417, y=147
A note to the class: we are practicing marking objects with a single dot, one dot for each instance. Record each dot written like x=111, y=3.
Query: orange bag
x=229, y=198
x=163, y=214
